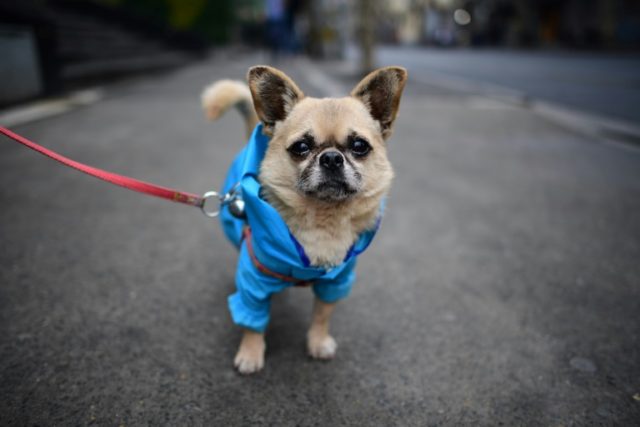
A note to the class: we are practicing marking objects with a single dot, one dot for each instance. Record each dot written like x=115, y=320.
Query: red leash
x=122, y=181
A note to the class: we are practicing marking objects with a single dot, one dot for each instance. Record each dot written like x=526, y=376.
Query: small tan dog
x=326, y=173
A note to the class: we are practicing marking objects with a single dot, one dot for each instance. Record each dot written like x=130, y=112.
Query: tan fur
x=250, y=355
x=274, y=95
x=381, y=91
x=326, y=228
x=218, y=97
x=320, y=344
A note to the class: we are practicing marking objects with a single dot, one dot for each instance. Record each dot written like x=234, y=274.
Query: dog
x=313, y=179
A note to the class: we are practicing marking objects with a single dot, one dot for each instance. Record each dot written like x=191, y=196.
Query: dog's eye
x=300, y=148
x=359, y=147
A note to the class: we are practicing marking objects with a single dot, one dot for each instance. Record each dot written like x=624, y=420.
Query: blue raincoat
x=274, y=246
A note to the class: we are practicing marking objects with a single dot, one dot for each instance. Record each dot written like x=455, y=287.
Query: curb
x=602, y=127
x=43, y=109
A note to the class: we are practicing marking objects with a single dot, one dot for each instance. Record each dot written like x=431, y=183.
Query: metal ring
x=209, y=195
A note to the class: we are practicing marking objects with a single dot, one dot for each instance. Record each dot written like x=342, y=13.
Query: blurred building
x=45, y=44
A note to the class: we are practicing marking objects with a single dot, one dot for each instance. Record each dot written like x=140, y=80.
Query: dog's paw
x=321, y=346
x=249, y=359
x=248, y=363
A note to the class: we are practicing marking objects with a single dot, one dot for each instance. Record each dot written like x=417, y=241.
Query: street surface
x=502, y=289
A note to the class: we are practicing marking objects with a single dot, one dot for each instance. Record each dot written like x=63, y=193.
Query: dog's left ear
x=274, y=95
x=380, y=91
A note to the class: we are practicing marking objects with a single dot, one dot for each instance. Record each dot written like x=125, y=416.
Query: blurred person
x=292, y=20
x=277, y=27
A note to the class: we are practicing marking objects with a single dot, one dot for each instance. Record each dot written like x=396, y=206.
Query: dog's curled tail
x=218, y=97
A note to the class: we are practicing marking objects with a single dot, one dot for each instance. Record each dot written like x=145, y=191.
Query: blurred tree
x=365, y=33
x=209, y=19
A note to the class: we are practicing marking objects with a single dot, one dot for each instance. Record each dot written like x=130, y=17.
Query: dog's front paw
x=250, y=356
x=248, y=362
x=321, y=346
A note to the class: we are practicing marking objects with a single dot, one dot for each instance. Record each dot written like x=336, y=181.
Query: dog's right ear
x=380, y=92
x=274, y=95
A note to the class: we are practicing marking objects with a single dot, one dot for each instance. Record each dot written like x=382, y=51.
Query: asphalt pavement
x=502, y=289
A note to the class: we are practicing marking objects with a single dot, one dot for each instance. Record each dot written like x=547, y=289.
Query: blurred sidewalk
x=502, y=287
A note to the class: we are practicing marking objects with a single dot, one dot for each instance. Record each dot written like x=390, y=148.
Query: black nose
x=331, y=160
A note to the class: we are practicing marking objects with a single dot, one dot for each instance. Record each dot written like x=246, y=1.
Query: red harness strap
x=246, y=234
x=122, y=181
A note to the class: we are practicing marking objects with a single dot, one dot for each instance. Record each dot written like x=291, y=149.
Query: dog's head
x=327, y=150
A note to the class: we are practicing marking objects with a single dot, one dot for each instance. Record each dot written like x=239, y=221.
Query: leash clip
x=209, y=212
x=230, y=199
